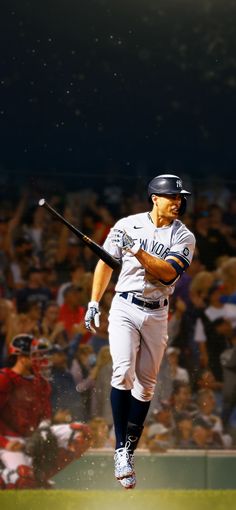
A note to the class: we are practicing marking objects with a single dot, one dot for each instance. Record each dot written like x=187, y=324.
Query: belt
x=145, y=304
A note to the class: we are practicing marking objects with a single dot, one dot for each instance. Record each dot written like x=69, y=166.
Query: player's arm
x=160, y=269
x=166, y=271
x=102, y=276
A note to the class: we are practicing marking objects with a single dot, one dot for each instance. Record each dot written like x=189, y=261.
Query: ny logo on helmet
x=179, y=183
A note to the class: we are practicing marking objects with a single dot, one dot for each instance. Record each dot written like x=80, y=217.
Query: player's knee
x=123, y=378
x=144, y=394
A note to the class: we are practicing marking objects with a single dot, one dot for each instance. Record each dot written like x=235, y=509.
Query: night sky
x=93, y=85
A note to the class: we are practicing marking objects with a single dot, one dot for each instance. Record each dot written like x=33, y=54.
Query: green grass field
x=123, y=500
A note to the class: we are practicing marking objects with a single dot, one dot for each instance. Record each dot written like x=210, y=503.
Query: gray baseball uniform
x=138, y=315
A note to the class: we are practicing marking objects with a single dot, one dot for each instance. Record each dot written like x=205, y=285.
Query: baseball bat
x=96, y=248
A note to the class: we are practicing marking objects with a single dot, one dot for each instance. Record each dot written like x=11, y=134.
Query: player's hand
x=92, y=315
x=124, y=241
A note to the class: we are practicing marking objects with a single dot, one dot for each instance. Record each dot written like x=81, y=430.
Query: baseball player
x=155, y=248
x=32, y=448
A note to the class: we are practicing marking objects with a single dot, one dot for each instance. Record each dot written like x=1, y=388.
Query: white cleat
x=123, y=466
x=129, y=482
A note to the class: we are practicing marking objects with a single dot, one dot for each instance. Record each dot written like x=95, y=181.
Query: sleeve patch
x=186, y=252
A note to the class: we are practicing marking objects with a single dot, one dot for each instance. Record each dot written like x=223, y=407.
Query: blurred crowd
x=45, y=282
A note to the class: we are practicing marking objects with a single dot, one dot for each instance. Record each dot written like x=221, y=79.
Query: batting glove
x=124, y=241
x=92, y=315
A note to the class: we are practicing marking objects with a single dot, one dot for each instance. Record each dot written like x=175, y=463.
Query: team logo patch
x=186, y=252
x=178, y=183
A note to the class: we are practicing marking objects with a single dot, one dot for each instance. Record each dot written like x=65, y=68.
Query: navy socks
x=138, y=411
x=137, y=415
x=120, y=404
x=128, y=415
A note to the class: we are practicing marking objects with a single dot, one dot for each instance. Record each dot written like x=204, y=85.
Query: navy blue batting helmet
x=168, y=184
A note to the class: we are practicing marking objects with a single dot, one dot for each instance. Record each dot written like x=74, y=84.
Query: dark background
x=125, y=87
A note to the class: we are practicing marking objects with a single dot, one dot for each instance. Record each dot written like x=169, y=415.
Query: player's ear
x=154, y=199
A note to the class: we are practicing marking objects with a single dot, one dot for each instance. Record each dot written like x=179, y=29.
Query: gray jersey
x=175, y=239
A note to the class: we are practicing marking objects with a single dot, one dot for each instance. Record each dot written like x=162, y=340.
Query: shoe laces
x=122, y=456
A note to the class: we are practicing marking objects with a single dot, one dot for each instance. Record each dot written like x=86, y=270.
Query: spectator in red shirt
x=72, y=313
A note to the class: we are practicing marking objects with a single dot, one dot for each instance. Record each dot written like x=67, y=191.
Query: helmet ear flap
x=183, y=206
